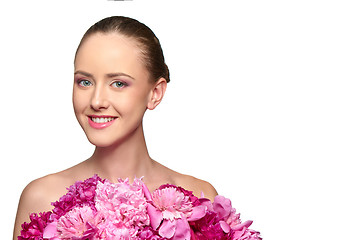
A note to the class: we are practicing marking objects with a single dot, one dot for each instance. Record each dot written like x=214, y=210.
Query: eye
x=118, y=84
x=84, y=83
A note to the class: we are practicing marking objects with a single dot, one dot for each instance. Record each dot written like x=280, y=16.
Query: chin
x=106, y=140
x=112, y=138
x=98, y=142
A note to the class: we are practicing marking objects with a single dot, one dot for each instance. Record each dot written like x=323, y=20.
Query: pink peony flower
x=172, y=203
x=221, y=222
x=79, y=194
x=123, y=206
x=230, y=220
x=34, y=229
x=79, y=223
x=169, y=210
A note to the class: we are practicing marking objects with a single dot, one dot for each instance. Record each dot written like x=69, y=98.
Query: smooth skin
x=110, y=80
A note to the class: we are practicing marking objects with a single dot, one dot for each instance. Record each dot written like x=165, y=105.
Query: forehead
x=110, y=52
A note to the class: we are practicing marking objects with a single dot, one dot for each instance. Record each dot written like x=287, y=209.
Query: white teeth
x=102, y=120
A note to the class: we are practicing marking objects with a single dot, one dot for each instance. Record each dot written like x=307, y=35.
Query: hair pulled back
x=149, y=44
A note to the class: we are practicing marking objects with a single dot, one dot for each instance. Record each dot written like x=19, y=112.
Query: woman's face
x=111, y=88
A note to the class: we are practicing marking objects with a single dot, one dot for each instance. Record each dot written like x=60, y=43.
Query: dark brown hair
x=148, y=43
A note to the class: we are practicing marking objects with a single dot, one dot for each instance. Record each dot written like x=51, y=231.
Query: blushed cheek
x=78, y=110
x=77, y=104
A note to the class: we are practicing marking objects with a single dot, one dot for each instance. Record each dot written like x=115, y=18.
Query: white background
x=263, y=103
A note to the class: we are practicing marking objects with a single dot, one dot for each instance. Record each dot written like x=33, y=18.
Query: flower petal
x=155, y=216
x=50, y=230
x=244, y=224
x=198, y=212
x=222, y=206
x=182, y=231
x=167, y=229
x=224, y=226
x=146, y=191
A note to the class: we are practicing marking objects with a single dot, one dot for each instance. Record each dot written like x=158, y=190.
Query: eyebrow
x=109, y=75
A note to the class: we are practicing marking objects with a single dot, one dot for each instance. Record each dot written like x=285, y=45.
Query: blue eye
x=84, y=83
x=118, y=84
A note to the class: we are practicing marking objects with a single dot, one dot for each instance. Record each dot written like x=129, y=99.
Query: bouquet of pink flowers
x=97, y=209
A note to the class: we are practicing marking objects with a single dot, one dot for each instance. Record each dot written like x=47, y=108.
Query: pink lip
x=99, y=125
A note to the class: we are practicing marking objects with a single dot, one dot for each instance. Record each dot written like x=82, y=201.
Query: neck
x=127, y=159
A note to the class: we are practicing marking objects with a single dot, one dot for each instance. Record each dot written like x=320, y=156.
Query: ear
x=157, y=93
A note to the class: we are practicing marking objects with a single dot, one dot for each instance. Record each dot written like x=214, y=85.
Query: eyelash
x=123, y=84
x=87, y=83
x=80, y=82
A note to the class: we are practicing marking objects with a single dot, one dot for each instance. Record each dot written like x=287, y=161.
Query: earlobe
x=157, y=93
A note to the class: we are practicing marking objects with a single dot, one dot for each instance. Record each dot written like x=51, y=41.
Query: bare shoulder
x=38, y=192
x=38, y=195
x=197, y=186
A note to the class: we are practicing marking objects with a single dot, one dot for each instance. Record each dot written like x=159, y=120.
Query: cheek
x=133, y=103
x=125, y=105
x=78, y=101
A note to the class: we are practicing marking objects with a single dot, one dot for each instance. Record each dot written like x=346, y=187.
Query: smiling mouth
x=102, y=119
x=101, y=122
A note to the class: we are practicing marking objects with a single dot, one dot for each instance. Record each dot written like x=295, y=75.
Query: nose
x=99, y=99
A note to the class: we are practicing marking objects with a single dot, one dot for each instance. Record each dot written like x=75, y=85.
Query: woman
x=119, y=73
